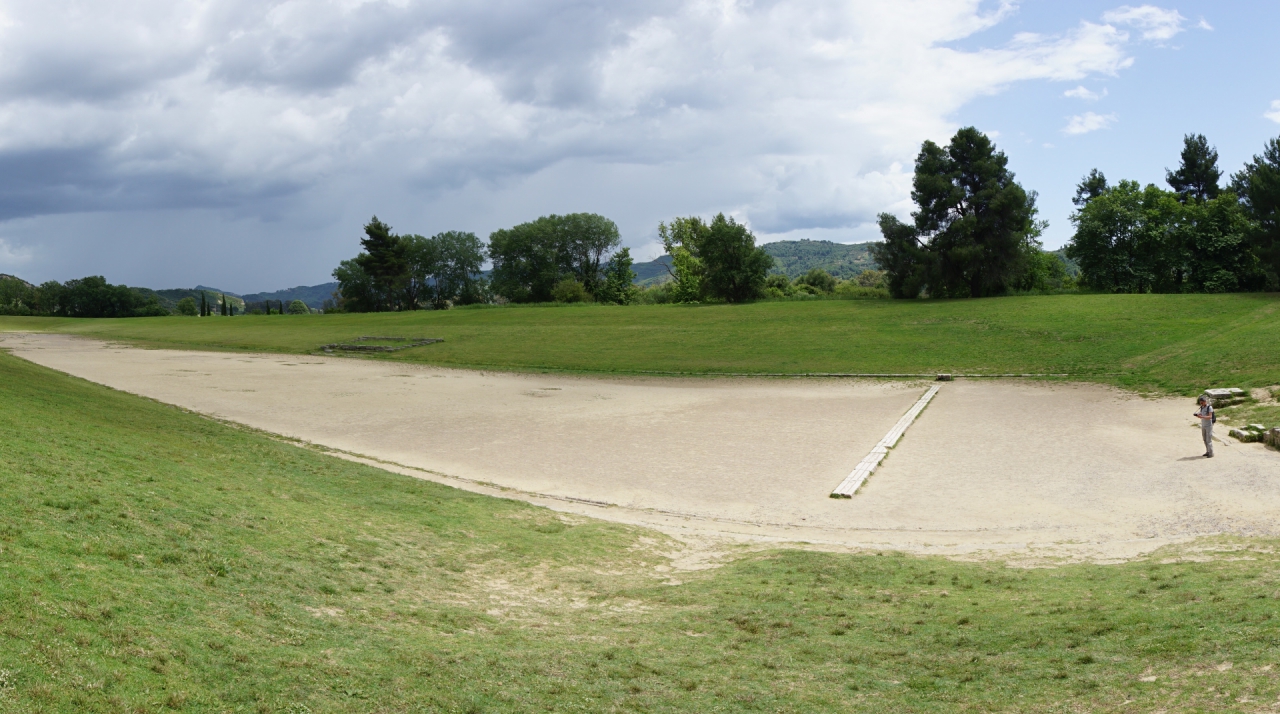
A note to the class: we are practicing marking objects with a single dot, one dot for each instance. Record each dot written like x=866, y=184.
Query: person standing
x=1205, y=415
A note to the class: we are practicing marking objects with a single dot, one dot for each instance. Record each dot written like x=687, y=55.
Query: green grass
x=1169, y=343
x=153, y=560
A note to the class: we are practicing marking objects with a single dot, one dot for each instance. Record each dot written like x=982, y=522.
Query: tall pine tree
x=386, y=262
x=1197, y=178
x=975, y=227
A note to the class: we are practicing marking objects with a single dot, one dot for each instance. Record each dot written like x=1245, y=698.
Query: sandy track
x=1004, y=467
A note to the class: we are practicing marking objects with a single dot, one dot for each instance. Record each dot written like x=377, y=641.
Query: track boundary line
x=871, y=461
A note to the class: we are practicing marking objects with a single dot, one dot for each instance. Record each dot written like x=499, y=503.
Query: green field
x=1168, y=343
x=154, y=560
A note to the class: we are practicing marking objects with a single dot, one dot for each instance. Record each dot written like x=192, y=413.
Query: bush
x=872, y=279
x=818, y=279
x=851, y=290
x=569, y=290
x=298, y=307
x=659, y=294
x=187, y=306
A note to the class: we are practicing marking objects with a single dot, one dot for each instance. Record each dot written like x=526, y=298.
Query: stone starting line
x=871, y=462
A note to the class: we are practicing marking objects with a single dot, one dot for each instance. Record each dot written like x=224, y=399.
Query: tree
x=355, y=286
x=1258, y=188
x=531, y=258
x=1214, y=239
x=204, y=305
x=187, y=306
x=459, y=259
x=1089, y=188
x=682, y=240
x=528, y=260
x=907, y=261
x=422, y=257
x=1197, y=178
x=298, y=307
x=222, y=306
x=735, y=267
x=717, y=260
x=617, y=286
x=975, y=229
x=1124, y=239
x=385, y=263
x=1135, y=240
x=588, y=237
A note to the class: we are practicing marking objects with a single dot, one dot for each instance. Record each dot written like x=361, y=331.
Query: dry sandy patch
x=1006, y=468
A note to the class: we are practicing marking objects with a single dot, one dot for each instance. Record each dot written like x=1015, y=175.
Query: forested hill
x=652, y=272
x=314, y=295
x=792, y=258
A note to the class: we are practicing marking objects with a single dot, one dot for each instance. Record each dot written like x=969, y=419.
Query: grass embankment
x=1172, y=343
x=153, y=560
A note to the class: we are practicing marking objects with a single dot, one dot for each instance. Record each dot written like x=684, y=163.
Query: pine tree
x=1197, y=177
x=974, y=228
x=1090, y=187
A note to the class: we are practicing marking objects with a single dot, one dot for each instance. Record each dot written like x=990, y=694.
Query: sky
x=243, y=144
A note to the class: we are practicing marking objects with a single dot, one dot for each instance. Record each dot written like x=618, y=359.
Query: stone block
x=1225, y=397
x=1247, y=436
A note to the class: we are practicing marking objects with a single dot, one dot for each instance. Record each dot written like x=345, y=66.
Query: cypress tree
x=204, y=305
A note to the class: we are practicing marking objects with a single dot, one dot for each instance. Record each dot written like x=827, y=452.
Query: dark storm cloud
x=791, y=114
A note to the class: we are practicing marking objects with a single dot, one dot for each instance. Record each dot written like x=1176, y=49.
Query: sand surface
x=991, y=467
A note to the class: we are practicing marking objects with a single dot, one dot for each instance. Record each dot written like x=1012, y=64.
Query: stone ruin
x=1225, y=397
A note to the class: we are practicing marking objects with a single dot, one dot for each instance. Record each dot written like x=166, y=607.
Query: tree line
x=1199, y=236
x=570, y=258
x=92, y=296
x=975, y=232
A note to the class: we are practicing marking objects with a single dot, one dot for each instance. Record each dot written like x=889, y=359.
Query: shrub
x=569, y=290
x=820, y=280
x=659, y=294
x=850, y=289
x=872, y=279
x=298, y=307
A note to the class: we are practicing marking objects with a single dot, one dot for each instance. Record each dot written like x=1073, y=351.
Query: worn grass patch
x=1167, y=343
x=152, y=560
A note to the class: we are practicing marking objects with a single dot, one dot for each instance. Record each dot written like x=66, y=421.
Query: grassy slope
x=1179, y=343
x=154, y=560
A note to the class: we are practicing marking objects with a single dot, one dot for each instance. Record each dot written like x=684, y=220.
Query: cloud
x=1274, y=114
x=11, y=257
x=1081, y=92
x=1087, y=122
x=1155, y=23
x=1204, y=24
x=792, y=114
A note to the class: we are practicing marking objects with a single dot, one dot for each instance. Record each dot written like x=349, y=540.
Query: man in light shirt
x=1205, y=415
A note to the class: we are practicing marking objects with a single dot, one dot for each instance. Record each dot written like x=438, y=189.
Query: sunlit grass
x=1170, y=343
x=152, y=560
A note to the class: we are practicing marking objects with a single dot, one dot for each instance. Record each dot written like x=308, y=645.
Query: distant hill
x=314, y=295
x=653, y=272
x=792, y=258
x=6, y=276
x=169, y=298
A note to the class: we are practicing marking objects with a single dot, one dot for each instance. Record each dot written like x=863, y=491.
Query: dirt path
x=1007, y=468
